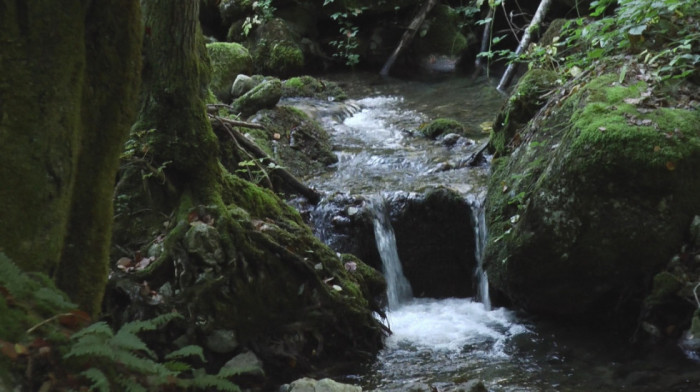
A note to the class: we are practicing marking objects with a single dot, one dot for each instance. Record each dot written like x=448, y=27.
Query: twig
x=50, y=319
x=695, y=293
x=237, y=123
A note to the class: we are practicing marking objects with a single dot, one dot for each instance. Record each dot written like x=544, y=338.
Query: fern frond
x=126, y=340
x=98, y=329
x=13, y=278
x=187, y=351
x=100, y=382
x=206, y=381
x=150, y=325
x=128, y=384
x=91, y=346
x=140, y=365
x=177, y=366
x=54, y=299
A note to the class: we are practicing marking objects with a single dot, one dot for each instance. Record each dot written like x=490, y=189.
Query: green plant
x=122, y=361
x=662, y=33
x=347, y=44
x=262, y=12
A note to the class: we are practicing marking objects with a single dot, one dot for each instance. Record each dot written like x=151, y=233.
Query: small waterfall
x=482, y=281
x=398, y=288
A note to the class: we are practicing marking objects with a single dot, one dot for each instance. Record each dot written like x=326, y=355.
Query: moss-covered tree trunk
x=175, y=81
x=68, y=80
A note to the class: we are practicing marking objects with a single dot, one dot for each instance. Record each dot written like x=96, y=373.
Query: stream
x=448, y=344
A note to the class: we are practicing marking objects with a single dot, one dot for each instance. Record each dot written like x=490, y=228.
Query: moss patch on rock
x=228, y=59
x=442, y=126
x=310, y=87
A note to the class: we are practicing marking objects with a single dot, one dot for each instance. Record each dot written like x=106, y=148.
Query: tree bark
x=175, y=81
x=524, y=42
x=68, y=78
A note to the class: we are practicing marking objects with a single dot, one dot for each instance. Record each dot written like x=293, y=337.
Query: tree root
x=251, y=149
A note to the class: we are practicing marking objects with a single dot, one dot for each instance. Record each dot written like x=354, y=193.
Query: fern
x=187, y=351
x=13, y=279
x=122, y=360
x=100, y=382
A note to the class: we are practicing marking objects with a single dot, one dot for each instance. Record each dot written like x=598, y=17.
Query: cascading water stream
x=398, y=287
x=480, y=232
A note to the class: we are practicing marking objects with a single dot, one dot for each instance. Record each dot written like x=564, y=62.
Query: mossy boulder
x=228, y=60
x=593, y=202
x=520, y=107
x=276, y=49
x=263, y=96
x=310, y=87
x=295, y=140
x=442, y=126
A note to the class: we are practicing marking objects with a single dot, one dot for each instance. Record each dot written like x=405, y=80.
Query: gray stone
x=245, y=364
x=222, y=341
x=242, y=85
x=324, y=385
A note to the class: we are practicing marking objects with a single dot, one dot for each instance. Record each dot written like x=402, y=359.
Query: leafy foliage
x=111, y=355
x=35, y=319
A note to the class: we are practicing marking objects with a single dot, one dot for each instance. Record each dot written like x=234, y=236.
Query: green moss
x=523, y=103
x=442, y=126
x=307, y=86
x=285, y=58
x=228, y=59
x=614, y=133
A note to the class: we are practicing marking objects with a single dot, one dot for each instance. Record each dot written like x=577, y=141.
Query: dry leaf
x=670, y=166
x=657, y=148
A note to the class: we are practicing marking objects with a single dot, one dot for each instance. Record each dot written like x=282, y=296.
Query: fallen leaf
x=74, y=319
x=125, y=264
x=351, y=266
x=670, y=166
x=657, y=148
x=633, y=101
x=337, y=288
x=602, y=129
x=192, y=217
x=21, y=349
x=276, y=136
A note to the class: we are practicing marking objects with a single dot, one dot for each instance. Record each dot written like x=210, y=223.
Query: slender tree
x=69, y=77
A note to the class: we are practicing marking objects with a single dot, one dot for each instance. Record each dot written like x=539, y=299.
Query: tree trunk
x=69, y=77
x=175, y=81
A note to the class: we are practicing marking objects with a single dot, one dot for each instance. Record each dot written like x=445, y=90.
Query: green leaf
x=187, y=351
x=100, y=382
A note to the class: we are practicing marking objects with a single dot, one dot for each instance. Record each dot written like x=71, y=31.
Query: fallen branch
x=524, y=42
x=251, y=148
x=408, y=35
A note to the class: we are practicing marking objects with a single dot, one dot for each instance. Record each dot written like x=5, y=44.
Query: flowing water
x=439, y=344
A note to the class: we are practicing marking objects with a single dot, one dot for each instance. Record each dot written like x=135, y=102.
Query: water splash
x=398, y=287
x=480, y=232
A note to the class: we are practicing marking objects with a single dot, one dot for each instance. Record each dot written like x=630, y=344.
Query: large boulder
x=228, y=60
x=593, y=201
x=276, y=49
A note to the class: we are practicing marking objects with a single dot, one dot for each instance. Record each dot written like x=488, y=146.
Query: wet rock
x=435, y=240
x=310, y=87
x=222, y=341
x=324, y=385
x=450, y=139
x=263, y=96
x=442, y=126
x=690, y=341
x=469, y=386
x=228, y=60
